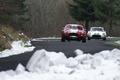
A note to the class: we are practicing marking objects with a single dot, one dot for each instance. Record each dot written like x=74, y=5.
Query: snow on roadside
x=49, y=38
x=45, y=38
x=18, y=47
x=45, y=65
x=118, y=42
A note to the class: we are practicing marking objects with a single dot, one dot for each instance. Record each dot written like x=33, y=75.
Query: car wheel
x=69, y=40
x=84, y=40
x=104, y=38
x=62, y=39
x=79, y=40
x=88, y=38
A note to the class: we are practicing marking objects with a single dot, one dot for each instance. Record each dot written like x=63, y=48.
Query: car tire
x=88, y=38
x=68, y=40
x=79, y=40
x=104, y=38
x=84, y=40
x=62, y=39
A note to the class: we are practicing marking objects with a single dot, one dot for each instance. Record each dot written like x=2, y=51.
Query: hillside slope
x=8, y=34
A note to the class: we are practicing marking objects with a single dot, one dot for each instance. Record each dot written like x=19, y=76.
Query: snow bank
x=44, y=65
x=78, y=52
x=118, y=42
x=39, y=61
x=17, y=48
x=20, y=69
x=104, y=64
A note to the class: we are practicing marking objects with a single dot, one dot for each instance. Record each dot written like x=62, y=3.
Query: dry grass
x=9, y=34
x=4, y=44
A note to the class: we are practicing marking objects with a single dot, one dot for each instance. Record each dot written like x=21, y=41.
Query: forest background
x=46, y=18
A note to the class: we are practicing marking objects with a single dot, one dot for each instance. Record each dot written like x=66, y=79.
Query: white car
x=96, y=33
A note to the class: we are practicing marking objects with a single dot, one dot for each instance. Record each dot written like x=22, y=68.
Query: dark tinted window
x=96, y=29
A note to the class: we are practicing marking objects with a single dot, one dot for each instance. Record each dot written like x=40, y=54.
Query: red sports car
x=73, y=32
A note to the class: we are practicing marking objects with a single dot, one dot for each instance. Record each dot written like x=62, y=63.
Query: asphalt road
x=68, y=48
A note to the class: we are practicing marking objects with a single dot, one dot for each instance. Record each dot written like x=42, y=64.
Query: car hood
x=73, y=31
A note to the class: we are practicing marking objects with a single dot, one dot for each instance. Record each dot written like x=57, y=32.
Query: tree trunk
x=110, y=28
x=86, y=25
x=110, y=23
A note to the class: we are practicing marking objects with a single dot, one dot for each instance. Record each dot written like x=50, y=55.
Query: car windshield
x=97, y=29
x=73, y=27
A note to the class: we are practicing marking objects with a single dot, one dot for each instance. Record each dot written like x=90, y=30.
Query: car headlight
x=89, y=34
x=65, y=32
x=82, y=33
x=104, y=34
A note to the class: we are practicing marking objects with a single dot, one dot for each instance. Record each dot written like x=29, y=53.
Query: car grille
x=73, y=34
x=96, y=36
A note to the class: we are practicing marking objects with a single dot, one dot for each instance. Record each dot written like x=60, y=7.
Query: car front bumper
x=74, y=37
x=96, y=36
